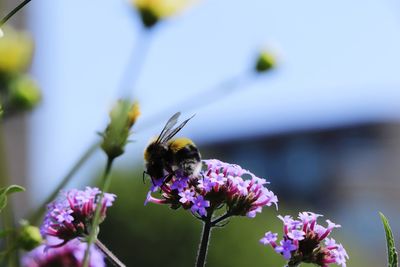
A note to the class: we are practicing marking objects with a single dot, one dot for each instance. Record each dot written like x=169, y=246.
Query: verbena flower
x=66, y=256
x=304, y=240
x=218, y=184
x=71, y=215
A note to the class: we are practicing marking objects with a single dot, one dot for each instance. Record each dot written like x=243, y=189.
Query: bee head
x=155, y=155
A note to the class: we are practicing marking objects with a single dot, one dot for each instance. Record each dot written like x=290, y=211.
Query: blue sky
x=339, y=65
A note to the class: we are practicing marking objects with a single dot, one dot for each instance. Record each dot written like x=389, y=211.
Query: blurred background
x=322, y=126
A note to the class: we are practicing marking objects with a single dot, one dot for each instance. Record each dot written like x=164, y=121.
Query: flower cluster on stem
x=70, y=254
x=71, y=215
x=218, y=184
x=304, y=240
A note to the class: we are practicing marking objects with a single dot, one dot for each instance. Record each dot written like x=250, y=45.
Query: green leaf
x=392, y=254
x=5, y=191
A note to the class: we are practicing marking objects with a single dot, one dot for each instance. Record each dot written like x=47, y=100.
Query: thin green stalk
x=205, y=238
x=106, y=181
x=135, y=64
x=37, y=214
x=8, y=219
x=110, y=256
x=221, y=218
x=13, y=12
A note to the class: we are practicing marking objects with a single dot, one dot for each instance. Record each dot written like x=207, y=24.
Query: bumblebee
x=166, y=157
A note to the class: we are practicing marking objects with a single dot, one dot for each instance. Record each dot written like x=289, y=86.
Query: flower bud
x=152, y=11
x=122, y=118
x=265, y=61
x=16, y=50
x=24, y=93
x=29, y=236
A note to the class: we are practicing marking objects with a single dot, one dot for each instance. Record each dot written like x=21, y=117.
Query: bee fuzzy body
x=166, y=156
x=185, y=156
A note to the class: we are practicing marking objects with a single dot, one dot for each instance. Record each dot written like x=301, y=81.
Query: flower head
x=152, y=11
x=70, y=216
x=304, y=240
x=218, y=184
x=16, y=50
x=69, y=255
x=122, y=117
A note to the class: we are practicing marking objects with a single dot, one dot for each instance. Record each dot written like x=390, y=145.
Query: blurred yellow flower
x=16, y=49
x=152, y=11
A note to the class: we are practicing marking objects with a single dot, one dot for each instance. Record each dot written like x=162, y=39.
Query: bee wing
x=168, y=127
x=175, y=131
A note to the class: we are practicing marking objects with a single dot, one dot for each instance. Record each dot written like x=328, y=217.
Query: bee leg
x=167, y=178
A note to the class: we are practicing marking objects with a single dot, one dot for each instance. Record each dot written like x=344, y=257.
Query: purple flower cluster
x=306, y=241
x=66, y=256
x=218, y=184
x=70, y=216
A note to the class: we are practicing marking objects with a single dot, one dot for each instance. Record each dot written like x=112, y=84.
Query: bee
x=166, y=157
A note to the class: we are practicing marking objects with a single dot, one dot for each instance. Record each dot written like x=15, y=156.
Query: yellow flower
x=152, y=11
x=16, y=49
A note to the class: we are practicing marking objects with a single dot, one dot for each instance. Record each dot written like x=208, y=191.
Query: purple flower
x=286, y=248
x=200, y=205
x=68, y=255
x=186, y=196
x=269, y=238
x=296, y=235
x=222, y=184
x=206, y=184
x=180, y=184
x=70, y=215
x=304, y=240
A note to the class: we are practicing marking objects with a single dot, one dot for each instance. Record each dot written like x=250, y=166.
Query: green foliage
x=392, y=254
x=4, y=192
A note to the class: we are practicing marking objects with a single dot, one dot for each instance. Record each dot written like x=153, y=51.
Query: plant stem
x=13, y=12
x=205, y=237
x=106, y=181
x=221, y=218
x=136, y=59
x=36, y=215
x=111, y=257
x=8, y=219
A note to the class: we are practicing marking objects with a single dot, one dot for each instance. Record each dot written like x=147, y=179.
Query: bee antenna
x=144, y=176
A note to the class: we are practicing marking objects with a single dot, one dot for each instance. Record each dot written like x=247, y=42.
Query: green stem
x=205, y=238
x=106, y=181
x=36, y=215
x=110, y=256
x=13, y=12
x=8, y=219
x=221, y=218
x=135, y=63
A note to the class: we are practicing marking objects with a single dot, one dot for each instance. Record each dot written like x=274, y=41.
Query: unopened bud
x=16, y=50
x=265, y=61
x=29, y=236
x=153, y=11
x=122, y=117
x=24, y=93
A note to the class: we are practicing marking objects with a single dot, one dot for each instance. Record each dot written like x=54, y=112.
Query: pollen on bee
x=179, y=143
